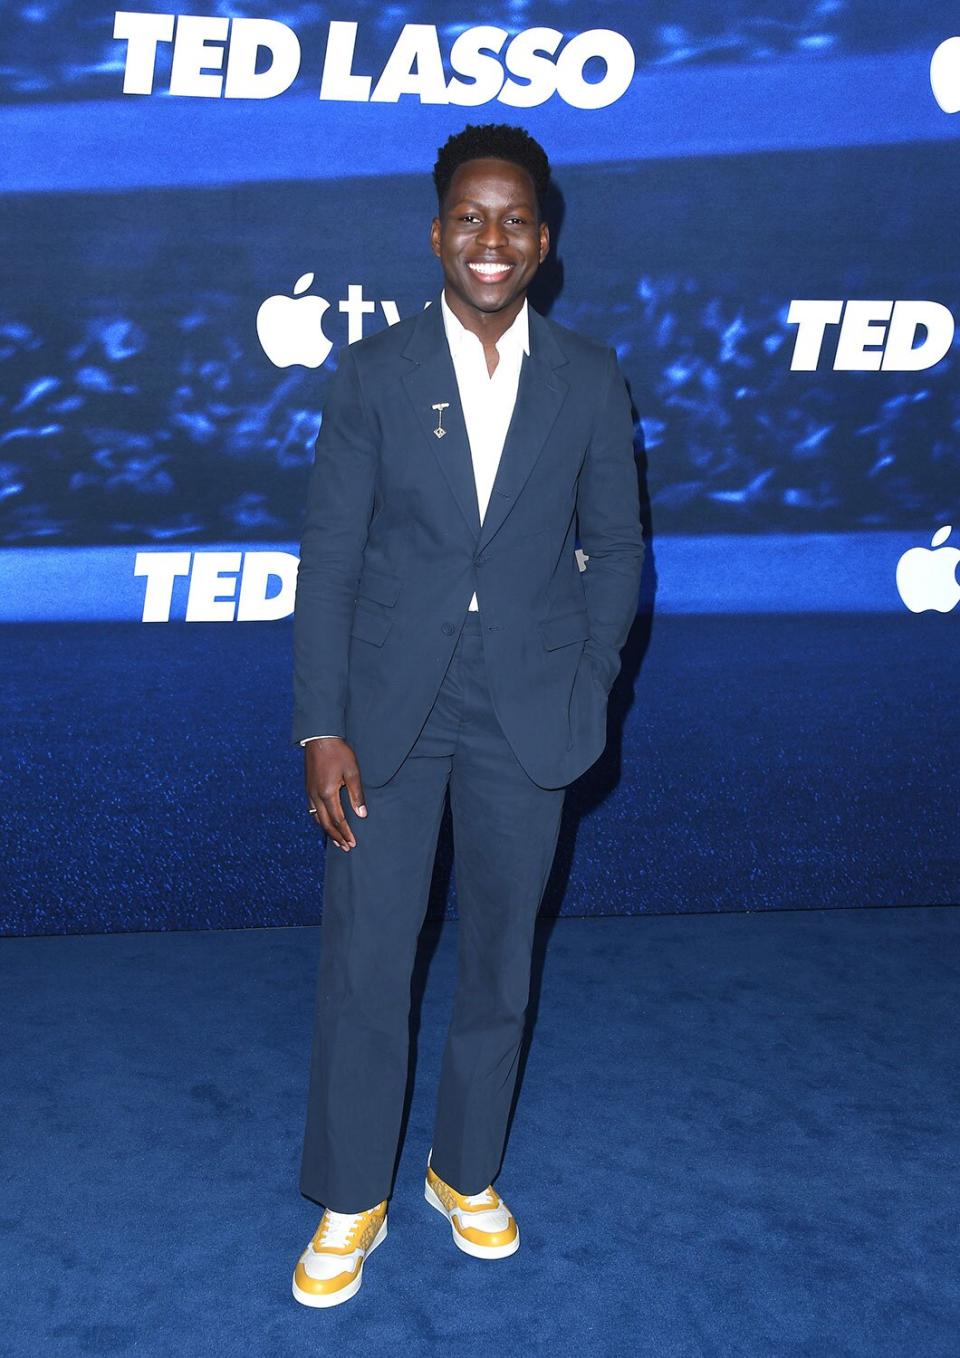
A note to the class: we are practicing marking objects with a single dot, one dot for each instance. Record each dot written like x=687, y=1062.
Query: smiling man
x=445, y=638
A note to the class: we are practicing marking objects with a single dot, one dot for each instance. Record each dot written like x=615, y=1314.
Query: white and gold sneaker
x=482, y=1224
x=330, y=1269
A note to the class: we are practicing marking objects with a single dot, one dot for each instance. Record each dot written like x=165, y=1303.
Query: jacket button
x=447, y=628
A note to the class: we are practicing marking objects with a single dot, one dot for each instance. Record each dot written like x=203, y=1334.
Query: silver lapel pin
x=440, y=407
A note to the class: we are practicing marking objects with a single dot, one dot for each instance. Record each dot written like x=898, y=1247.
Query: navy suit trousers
x=505, y=830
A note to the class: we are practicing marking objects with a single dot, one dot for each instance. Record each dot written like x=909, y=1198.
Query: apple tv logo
x=290, y=329
x=927, y=579
x=945, y=75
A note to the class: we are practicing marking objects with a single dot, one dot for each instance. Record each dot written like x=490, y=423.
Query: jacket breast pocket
x=564, y=629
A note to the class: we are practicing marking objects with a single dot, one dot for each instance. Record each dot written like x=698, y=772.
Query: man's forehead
x=492, y=168
x=468, y=183
x=476, y=202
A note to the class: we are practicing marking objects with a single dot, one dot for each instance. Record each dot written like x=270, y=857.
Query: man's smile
x=490, y=272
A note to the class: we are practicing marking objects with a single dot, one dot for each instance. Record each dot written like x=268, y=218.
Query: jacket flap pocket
x=380, y=586
x=370, y=626
x=564, y=629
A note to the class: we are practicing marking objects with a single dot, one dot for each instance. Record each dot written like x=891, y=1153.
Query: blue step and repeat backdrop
x=755, y=202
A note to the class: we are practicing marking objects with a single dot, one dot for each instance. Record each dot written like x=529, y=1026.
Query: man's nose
x=491, y=235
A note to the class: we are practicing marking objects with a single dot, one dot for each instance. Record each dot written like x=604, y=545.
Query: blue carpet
x=736, y=1136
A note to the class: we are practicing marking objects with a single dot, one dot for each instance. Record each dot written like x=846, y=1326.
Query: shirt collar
x=515, y=337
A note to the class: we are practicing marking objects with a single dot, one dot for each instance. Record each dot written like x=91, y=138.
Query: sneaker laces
x=337, y=1228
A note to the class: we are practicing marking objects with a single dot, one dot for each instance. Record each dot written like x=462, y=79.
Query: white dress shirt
x=487, y=401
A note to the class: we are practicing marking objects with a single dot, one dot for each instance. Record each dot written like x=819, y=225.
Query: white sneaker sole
x=345, y=1293
x=468, y=1247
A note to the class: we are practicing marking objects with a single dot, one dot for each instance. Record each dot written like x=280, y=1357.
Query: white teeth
x=491, y=268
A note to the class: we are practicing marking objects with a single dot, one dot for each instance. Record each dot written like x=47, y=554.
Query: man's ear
x=435, y=235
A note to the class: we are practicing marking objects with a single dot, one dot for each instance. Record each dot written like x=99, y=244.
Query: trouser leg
x=374, y=902
x=505, y=830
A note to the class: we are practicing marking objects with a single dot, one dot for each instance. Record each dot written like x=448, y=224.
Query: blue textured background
x=789, y=736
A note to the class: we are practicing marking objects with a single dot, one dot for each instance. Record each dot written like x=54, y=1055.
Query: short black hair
x=500, y=140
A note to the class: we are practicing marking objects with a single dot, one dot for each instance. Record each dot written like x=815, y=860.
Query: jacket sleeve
x=340, y=499
x=608, y=523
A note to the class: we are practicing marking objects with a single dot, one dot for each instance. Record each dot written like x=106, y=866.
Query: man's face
x=489, y=218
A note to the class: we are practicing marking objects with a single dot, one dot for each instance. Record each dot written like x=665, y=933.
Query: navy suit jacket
x=393, y=549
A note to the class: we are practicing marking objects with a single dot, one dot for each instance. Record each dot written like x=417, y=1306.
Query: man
x=445, y=636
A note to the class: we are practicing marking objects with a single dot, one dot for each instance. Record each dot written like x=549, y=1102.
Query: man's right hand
x=328, y=766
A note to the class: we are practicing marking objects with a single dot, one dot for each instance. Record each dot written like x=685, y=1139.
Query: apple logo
x=945, y=75
x=928, y=579
x=291, y=331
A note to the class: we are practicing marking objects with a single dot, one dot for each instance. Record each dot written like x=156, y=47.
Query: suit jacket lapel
x=540, y=393
x=434, y=379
